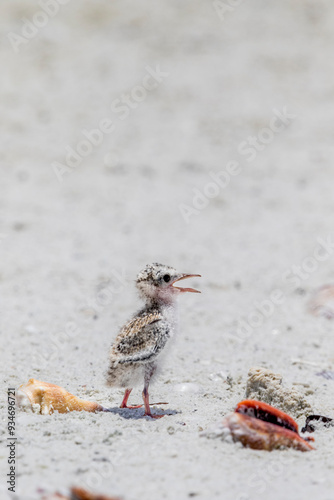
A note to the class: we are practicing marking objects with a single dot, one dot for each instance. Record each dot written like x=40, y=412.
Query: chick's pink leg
x=125, y=401
x=147, y=405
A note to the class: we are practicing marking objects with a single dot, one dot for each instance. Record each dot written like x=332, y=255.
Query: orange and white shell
x=78, y=494
x=46, y=398
x=260, y=435
x=260, y=426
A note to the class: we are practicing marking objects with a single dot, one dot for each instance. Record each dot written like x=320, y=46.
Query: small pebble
x=188, y=387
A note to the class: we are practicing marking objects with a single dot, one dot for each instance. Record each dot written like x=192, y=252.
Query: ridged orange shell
x=51, y=397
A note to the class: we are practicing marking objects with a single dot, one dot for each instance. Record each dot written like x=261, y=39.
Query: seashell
x=260, y=426
x=267, y=413
x=322, y=302
x=81, y=494
x=46, y=398
x=261, y=435
x=78, y=494
x=55, y=496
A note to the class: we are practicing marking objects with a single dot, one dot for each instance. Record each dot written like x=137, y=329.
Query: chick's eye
x=166, y=278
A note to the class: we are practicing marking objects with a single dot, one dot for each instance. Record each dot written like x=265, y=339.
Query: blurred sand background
x=70, y=249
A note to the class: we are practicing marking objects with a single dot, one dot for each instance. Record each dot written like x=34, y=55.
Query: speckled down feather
x=128, y=341
x=138, y=344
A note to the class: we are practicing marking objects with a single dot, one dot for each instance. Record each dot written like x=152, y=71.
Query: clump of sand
x=265, y=385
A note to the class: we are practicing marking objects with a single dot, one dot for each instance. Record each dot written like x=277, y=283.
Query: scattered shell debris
x=314, y=422
x=45, y=398
x=327, y=374
x=298, y=361
x=265, y=385
x=322, y=302
x=78, y=494
x=259, y=426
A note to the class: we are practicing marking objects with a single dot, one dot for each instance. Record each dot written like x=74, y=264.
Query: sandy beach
x=199, y=135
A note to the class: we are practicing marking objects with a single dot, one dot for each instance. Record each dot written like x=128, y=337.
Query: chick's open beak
x=183, y=277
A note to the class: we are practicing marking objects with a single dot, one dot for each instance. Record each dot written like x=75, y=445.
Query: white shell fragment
x=322, y=302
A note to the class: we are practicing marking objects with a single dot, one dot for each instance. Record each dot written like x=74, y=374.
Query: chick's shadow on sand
x=137, y=414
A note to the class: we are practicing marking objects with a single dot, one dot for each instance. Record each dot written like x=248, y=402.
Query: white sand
x=64, y=242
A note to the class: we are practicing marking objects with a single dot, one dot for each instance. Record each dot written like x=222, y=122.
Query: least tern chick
x=139, y=346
